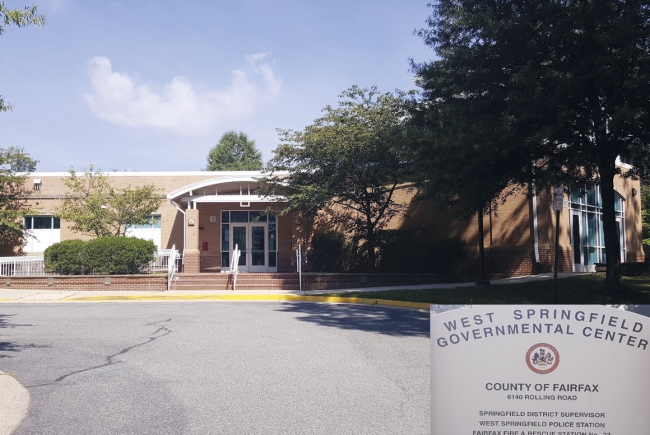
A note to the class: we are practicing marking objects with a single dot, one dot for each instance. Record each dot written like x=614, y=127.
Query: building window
x=41, y=233
x=587, y=233
x=150, y=231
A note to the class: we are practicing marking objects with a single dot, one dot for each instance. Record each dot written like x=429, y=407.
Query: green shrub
x=326, y=251
x=117, y=255
x=646, y=249
x=65, y=258
x=101, y=256
x=331, y=251
x=405, y=253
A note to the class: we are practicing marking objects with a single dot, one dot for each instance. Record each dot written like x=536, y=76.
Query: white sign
x=540, y=370
x=558, y=198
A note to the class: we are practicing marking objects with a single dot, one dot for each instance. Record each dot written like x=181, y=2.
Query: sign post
x=558, y=205
x=540, y=370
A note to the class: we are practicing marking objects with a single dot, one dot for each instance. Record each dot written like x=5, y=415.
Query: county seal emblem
x=542, y=358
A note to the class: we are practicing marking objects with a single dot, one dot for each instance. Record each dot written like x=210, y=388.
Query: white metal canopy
x=232, y=198
x=235, y=188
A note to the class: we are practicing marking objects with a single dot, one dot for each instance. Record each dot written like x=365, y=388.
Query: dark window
x=258, y=216
x=42, y=222
x=238, y=216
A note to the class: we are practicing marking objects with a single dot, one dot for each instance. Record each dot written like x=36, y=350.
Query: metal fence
x=21, y=266
x=35, y=266
x=161, y=261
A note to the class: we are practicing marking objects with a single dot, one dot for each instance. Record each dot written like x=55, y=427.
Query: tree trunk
x=612, y=245
x=370, y=244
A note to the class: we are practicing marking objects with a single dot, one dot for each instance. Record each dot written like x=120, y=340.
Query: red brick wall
x=191, y=261
x=210, y=263
x=330, y=281
x=87, y=282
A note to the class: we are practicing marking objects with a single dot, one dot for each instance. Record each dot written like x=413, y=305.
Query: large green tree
x=19, y=18
x=234, y=152
x=14, y=164
x=571, y=79
x=95, y=207
x=461, y=140
x=351, y=160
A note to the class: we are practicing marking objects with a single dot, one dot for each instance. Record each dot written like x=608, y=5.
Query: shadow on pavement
x=8, y=346
x=382, y=320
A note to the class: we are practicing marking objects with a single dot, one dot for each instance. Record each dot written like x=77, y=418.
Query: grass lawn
x=583, y=289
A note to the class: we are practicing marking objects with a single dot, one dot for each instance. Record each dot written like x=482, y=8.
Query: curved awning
x=228, y=188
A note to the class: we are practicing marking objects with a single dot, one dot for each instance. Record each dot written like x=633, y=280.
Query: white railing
x=171, y=266
x=234, y=266
x=161, y=261
x=22, y=266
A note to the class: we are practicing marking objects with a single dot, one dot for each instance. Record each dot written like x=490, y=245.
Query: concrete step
x=245, y=281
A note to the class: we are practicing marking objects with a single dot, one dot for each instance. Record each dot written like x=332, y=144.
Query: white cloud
x=180, y=106
x=252, y=58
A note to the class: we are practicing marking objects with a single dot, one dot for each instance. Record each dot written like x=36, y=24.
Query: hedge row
x=398, y=252
x=101, y=256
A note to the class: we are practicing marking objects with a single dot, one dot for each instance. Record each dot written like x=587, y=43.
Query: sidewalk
x=45, y=296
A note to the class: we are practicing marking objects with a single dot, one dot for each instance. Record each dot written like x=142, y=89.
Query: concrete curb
x=229, y=298
x=14, y=403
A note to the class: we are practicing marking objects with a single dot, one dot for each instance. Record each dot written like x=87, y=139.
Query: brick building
x=519, y=237
x=204, y=214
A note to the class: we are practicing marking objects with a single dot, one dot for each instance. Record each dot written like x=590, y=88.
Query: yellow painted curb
x=287, y=298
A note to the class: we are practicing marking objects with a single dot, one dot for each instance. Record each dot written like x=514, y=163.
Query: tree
x=96, y=208
x=14, y=163
x=468, y=158
x=349, y=161
x=234, y=152
x=20, y=18
x=571, y=77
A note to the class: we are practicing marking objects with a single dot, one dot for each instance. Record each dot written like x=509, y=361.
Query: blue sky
x=152, y=85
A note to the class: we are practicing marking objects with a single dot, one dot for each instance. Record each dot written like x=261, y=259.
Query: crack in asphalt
x=162, y=331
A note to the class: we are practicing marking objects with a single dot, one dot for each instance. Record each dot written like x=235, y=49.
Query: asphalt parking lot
x=218, y=368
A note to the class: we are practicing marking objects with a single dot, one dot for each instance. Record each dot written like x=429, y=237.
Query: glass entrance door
x=239, y=239
x=255, y=234
x=251, y=240
x=257, y=249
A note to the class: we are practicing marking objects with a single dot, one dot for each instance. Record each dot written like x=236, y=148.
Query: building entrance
x=254, y=233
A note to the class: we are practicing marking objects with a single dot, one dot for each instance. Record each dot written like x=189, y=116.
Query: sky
x=153, y=85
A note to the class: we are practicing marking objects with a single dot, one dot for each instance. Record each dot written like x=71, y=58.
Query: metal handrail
x=234, y=266
x=171, y=266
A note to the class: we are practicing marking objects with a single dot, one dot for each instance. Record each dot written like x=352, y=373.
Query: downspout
x=535, y=228
x=184, y=235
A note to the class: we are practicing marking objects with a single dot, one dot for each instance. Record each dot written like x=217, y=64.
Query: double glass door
x=254, y=233
x=250, y=238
